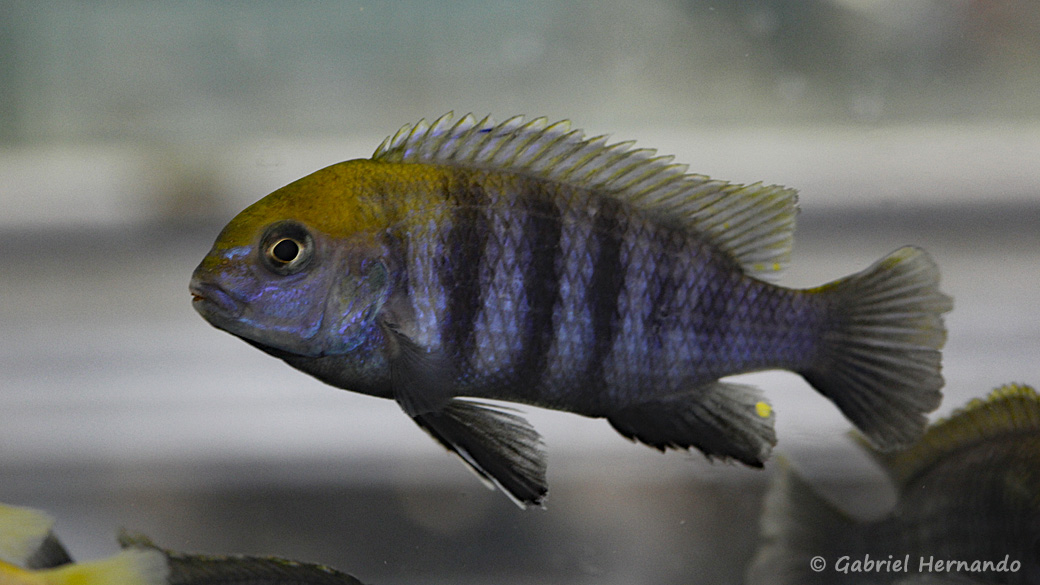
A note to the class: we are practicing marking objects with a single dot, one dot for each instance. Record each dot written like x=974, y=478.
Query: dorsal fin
x=1009, y=409
x=753, y=223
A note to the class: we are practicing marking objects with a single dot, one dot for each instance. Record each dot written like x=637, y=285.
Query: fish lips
x=214, y=303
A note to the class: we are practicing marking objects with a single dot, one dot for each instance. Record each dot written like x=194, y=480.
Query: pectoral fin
x=499, y=446
x=423, y=381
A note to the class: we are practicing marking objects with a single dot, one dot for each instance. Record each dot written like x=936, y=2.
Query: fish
x=30, y=554
x=469, y=263
x=198, y=569
x=967, y=492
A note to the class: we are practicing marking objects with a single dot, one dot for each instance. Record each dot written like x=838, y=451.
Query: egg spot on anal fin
x=763, y=409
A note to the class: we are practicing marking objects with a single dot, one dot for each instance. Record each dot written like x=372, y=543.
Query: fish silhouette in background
x=196, y=569
x=968, y=491
x=523, y=262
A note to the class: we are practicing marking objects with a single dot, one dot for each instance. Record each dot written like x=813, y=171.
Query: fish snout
x=211, y=301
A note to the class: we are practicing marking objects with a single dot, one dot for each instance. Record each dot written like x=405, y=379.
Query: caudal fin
x=880, y=360
x=799, y=529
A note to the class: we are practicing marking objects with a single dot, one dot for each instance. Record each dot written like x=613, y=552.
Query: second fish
x=524, y=262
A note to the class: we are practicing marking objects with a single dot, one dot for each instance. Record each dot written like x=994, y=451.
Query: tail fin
x=798, y=525
x=129, y=567
x=880, y=361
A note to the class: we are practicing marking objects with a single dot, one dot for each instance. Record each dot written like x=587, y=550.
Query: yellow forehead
x=344, y=199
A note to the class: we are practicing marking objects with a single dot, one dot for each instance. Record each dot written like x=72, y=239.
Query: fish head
x=278, y=279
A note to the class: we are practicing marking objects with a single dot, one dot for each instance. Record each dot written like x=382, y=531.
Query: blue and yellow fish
x=524, y=262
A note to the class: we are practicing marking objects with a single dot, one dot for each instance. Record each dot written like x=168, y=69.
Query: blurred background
x=130, y=132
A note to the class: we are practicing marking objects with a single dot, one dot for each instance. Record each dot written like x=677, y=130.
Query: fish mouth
x=211, y=300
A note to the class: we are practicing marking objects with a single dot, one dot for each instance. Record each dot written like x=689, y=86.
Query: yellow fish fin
x=753, y=223
x=22, y=532
x=1009, y=409
x=128, y=567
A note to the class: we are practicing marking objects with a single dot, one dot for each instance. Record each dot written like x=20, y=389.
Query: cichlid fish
x=968, y=491
x=520, y=261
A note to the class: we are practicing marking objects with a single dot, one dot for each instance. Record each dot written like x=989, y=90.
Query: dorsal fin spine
x=611, y=156
x=455, y=133
x=551, y=136
x=467, y=145
x=582, y=155
x=524, y=149
x=627, y=165
x=636, y=172
x=561, y=148
x=498, y=140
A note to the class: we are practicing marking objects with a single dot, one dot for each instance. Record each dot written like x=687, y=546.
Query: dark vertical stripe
x=465, y=244
x=541, y=244
x=608, y=275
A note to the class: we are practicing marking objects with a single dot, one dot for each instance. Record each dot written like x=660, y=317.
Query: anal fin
x=502, y=448
x=721, y=419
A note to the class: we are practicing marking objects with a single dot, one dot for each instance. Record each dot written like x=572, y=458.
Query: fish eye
x=287, y=248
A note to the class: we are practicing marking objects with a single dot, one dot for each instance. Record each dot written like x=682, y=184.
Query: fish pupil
x=286, y=250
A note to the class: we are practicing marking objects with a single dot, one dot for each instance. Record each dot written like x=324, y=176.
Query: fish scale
x=521, y=262
x=540, y=242
x=572, y=327
x=498, y=326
